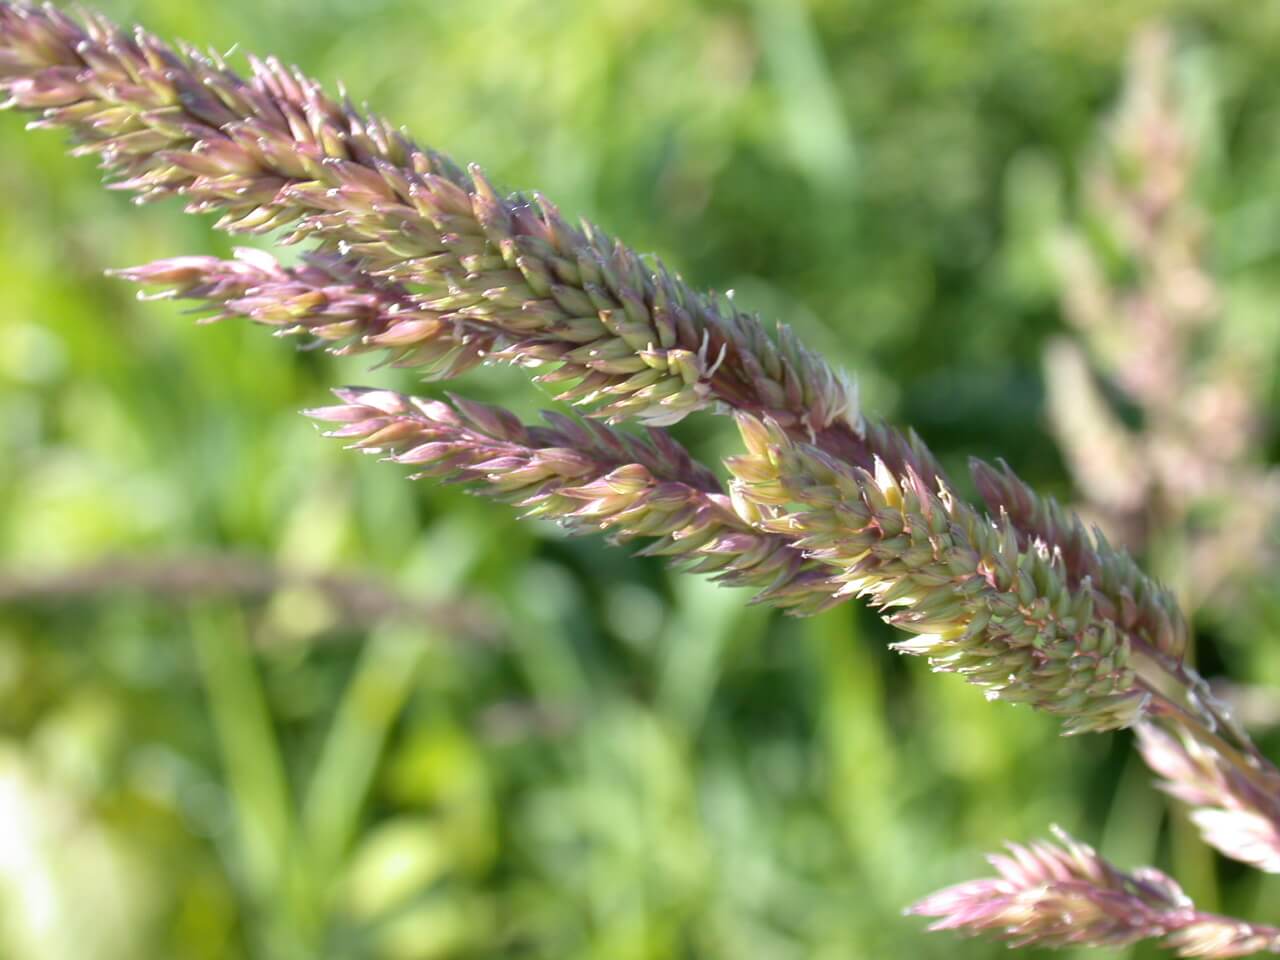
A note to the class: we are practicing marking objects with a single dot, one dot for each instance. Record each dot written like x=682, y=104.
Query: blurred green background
x=208, y=750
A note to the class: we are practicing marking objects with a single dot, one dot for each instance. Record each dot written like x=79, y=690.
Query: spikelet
x=1123, y=594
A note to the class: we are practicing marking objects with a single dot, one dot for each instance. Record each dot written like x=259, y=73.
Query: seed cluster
x=1144, y=609
x=1236, y=808
x=981, y=604
x=1065, y=894
x=589, y=478
x=274, y=151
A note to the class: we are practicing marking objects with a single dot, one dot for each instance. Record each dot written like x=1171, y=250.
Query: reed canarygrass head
x=1156, y=329
x=328, y=299
x=587, y=477
x=408, y=254
x=980, y=604
x=273, y=151
x=1237, y=809
x=1064, y=894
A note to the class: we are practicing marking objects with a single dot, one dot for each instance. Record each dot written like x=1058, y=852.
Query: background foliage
x=203, y=755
